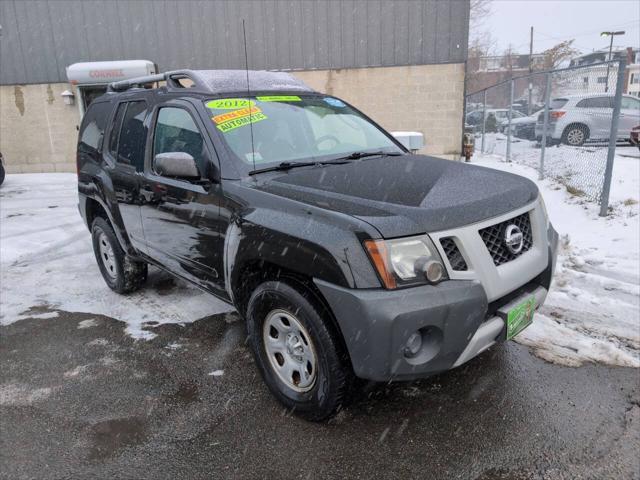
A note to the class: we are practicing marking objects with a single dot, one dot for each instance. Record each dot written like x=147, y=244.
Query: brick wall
x=38, y=131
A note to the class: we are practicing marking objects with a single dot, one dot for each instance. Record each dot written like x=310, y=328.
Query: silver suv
x=574, y=119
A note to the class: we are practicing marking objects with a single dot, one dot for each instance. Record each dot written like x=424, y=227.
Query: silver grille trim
x=494, y=238
x=497, y=280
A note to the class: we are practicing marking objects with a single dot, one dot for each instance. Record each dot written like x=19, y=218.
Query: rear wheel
x=298, y=352
x=575, y=135
x=121, y=273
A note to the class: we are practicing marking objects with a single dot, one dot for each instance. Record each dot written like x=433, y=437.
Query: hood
x=406, y=195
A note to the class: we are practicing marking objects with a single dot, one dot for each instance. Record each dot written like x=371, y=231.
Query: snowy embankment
x=47, y=264
x=592, y=312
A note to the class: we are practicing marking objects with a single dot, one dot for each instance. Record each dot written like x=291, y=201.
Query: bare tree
x=481, y=42
x=556, y=55
x=479, y=11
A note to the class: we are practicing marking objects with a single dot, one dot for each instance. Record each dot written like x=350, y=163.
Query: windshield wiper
x=359, y=155
x=336, y=161
x=290, y=165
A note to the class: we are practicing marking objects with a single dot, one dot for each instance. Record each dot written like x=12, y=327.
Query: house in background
x=594, y=79
x=486, y=71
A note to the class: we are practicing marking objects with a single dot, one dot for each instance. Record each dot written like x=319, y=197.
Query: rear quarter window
x=596, y=102
x=93, y=125
x=558, y=103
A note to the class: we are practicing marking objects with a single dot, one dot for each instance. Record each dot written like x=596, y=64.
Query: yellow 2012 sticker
x=243, y=112
x=279, y=98
x=240, y=122
x=230, y=103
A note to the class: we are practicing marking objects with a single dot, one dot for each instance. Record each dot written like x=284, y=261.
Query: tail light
x=556, y=114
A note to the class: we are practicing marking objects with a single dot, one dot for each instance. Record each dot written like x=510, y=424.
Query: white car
x=574, y=119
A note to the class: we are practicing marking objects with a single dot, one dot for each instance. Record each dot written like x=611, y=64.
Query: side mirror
x=177, y=165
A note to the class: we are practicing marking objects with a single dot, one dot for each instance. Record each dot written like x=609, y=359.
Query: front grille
x=453, y=254
x=494, y=238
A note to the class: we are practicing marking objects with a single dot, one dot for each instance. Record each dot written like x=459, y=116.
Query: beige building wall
x=423, y=98
x=38, y=131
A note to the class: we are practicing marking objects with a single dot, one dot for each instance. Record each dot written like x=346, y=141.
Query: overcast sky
x=557, y=20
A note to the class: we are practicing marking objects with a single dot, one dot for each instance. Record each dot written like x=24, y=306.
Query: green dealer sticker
x=280, y=98
x=520, y=317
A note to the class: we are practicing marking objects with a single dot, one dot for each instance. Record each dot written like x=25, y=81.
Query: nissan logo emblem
x=513, y=239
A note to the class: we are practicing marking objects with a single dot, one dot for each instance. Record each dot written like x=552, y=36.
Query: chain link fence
x=565, y=123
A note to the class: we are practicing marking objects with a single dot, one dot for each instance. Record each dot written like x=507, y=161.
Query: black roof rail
x=217, y=81
x=172, y=78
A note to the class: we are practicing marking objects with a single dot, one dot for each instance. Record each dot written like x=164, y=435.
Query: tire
x=575, y=135
x=120, y=272
x=309, y=337
x=1, y=174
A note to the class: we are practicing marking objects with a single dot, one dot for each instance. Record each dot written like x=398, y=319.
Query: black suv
x=347, y=255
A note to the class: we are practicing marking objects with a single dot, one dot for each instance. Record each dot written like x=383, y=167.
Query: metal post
x=613, y=136
x=484, y=118
x=606, y=88
x=511, y=86
x=545, y=124
x=530, y=72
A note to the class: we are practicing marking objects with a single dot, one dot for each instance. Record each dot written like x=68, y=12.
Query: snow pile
x=47, y=264
x=592, y=312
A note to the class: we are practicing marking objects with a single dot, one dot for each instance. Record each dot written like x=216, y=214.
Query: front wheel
x=121, y=273
x=298, y=352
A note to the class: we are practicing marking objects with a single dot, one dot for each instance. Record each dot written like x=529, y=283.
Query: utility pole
x=530, y=71
x=611, y=34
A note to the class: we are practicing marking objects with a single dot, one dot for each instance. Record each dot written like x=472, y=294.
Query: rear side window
x=133, y=136
x=596, y=102
x=115, y=130
x=93, y=124
x=558, y=103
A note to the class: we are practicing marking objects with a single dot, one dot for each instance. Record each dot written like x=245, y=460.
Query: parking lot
x=81, y=399
x=160, y=384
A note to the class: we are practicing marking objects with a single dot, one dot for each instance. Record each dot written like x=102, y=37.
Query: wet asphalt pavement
x=80, y=399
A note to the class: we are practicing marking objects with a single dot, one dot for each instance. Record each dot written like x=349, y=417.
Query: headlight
x=406, y=261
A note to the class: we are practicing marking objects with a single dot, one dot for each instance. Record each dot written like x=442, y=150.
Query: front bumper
x=455, y=317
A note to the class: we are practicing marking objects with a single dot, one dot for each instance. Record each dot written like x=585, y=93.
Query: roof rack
x=172, y=78
x=217, y=81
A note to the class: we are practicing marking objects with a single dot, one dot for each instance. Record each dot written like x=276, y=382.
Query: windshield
x=292, y=128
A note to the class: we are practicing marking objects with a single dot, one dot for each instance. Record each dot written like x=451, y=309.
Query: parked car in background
x=521, y=127
x=574, y=119
x=1, y=168
x=495, y=117
x=634, y=137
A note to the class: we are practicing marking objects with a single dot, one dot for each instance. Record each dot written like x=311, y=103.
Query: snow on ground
x=581, y=169
x=47, y=264
x=592, y=312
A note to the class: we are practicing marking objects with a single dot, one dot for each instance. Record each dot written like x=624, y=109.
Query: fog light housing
x=432, y=270
x=413, y=345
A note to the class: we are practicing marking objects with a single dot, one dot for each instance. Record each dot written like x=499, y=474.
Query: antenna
x=246, y=67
